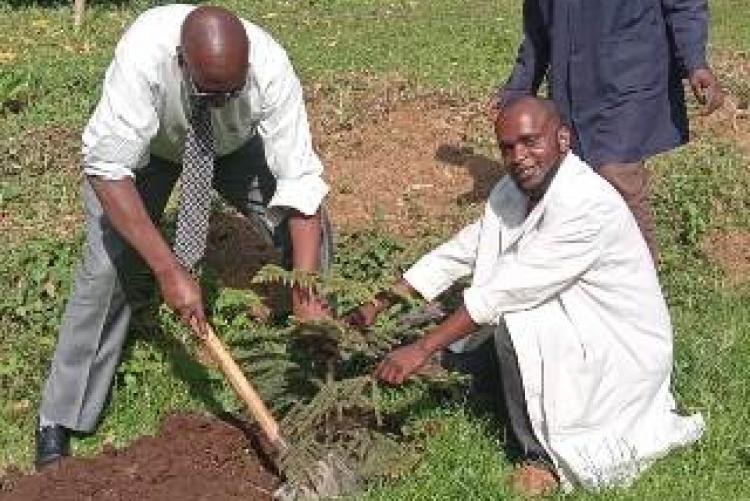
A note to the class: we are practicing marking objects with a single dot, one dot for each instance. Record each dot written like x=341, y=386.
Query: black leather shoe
x=52, y=444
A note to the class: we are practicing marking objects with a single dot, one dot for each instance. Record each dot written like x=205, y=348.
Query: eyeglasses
x=212, y=99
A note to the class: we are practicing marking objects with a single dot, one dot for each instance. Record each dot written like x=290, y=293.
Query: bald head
x=215, y=49
x=540, y=109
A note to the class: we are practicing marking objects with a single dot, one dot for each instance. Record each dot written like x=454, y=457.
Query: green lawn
x=50, y=78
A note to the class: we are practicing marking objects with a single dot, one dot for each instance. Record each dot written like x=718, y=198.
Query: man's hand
x=307, y=306
x=365, y=315
x=707, y=90
x=182, y=294
x=402, y=363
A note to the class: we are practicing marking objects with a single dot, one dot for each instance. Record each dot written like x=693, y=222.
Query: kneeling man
x=563, y=279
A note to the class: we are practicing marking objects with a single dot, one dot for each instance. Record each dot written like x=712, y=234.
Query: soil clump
x=192, y=457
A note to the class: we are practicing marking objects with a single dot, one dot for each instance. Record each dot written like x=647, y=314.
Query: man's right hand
x=365, y=315
x=182, y=294
x=707, y=90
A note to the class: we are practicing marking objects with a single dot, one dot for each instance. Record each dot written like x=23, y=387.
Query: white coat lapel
x=515, y=224
x=511, y=212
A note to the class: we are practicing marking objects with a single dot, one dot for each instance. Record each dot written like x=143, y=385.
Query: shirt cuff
x=480, y=311
x=304, y=194
x=423, y=279
x=110, y=172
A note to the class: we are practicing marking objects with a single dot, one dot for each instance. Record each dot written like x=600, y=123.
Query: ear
x=563, y=139
x=180, y=56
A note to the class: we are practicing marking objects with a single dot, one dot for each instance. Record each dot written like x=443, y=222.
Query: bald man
x=199, y=95
x=563, y=280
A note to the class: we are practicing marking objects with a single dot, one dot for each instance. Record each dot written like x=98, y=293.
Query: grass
x=49, y=80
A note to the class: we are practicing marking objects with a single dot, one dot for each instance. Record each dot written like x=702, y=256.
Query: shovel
x=324, y=475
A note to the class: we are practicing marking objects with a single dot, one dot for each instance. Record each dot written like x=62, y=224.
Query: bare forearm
x=455, y=327
x=305, y=235
x=123, y=206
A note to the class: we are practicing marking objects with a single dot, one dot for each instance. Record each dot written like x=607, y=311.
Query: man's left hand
x=307, y=306
x=707, y=90
x=401, y=363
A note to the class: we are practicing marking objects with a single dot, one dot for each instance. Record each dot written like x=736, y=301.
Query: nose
x=518, y=153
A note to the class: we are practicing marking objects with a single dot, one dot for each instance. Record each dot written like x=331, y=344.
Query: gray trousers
x=112, y=280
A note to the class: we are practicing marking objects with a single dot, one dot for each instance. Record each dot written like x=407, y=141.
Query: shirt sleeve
x=533, y=56
x=288, y=146
x=439, y=269
x=118, y=133
x=687, y=21
x=548, y=263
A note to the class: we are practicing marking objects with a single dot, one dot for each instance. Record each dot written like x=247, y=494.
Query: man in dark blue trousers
x=615, y=70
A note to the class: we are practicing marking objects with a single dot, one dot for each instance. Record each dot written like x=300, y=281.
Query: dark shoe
x=52, y=444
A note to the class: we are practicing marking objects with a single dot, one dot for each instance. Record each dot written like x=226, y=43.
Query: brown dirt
x=411, y=166
x=732, y=121
x=732, y=251
x=235, y=252
x=192, y=458
x=410, y=163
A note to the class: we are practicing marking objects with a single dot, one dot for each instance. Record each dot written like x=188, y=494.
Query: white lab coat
x=575, y=286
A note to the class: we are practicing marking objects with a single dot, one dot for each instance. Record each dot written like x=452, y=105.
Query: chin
x=529, y=186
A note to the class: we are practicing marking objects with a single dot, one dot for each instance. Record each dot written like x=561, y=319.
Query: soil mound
x=731, y=249
x=191, y=458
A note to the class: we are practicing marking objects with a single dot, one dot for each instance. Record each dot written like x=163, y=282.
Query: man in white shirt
x=563, y=279
x=196, y=94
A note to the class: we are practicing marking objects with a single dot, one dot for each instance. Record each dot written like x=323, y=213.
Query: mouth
x=526, y=173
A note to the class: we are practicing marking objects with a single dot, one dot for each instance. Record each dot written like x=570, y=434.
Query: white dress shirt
x=575, y=287
x=144, y=108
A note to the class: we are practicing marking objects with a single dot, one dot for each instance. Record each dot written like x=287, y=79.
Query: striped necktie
x=195, y=199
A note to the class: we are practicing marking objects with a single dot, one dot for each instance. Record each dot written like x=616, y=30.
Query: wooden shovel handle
x=241, y=385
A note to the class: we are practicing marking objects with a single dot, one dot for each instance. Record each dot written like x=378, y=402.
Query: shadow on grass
x=485, y=171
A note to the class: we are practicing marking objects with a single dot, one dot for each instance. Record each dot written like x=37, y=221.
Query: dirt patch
x=191, y=458
x=235, y=251
x=412, y=166
x=731, y=250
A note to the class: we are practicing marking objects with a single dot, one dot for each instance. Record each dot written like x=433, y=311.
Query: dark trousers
x=493, y=365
